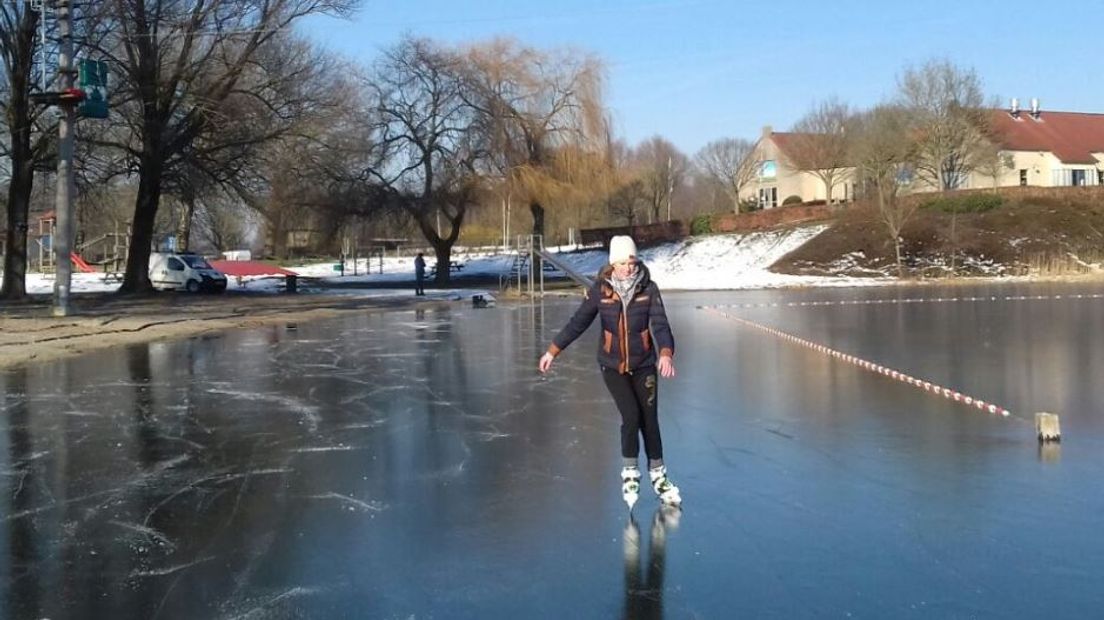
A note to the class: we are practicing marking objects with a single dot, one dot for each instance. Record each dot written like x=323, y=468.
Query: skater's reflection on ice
x=644, y=584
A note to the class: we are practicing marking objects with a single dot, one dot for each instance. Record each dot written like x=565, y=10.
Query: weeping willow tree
x=573, y=186
x=536, y=107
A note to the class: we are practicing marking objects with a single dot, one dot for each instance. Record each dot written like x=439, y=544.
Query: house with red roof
x=1037, y=147
x=1047, y=149
x=780, y=178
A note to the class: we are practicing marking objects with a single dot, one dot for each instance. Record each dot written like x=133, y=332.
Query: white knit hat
x=622, y=248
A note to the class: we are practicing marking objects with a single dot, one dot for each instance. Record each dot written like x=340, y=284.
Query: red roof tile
x=785, y=140
x=1072, y=136
x=249, y=268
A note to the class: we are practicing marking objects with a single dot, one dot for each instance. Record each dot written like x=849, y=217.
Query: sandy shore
x=29, y=333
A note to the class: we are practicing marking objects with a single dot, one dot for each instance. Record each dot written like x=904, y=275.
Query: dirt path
x=30, y=334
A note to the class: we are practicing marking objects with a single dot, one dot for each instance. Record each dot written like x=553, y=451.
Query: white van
x=184, y=271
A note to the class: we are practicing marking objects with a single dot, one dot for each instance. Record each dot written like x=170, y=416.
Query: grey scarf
x=624, y=288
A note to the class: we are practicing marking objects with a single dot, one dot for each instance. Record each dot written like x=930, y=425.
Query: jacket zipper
x=623, y=329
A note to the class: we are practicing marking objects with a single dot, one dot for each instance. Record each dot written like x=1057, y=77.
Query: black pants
x=419, y=285
x=636, y=398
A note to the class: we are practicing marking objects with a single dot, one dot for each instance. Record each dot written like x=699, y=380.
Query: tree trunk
x=954, y=234
x=538, y=229
x=897, y=247
x=537, y=210
x=19, y=201
x=19, y=61
x=136, y=278
x=187, y=215
x=277, y=234
x=442, y=249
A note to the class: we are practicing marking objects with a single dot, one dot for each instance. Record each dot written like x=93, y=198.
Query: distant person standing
x=635, y=346
x=419, y=274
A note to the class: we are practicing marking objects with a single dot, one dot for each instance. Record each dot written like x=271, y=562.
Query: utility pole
x=66, y=187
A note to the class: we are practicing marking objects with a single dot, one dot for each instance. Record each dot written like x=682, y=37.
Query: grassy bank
x=1027, y=231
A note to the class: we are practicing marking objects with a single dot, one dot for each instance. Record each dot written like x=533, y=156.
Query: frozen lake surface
x=413, y=464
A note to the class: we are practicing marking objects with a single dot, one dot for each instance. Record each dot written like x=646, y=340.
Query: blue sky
x=698, y=70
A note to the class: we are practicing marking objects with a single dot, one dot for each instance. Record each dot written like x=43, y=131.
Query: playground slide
x=80, y=263
x=562, y=266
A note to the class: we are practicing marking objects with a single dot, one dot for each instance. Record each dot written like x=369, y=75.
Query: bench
x=453, y=267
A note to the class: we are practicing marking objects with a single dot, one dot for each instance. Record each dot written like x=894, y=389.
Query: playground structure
x=530, y=264
x=106, y=253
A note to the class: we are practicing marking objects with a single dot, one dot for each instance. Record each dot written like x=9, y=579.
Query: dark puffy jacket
x=626, y=343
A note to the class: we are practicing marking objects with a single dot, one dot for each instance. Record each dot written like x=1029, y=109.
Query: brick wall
x=1081, y=194
x=769, y=218
x=648, y=234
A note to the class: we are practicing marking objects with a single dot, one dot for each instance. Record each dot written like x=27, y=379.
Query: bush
x=792, y=200
x=747, y=205
x=968, y=203
x=701, y=225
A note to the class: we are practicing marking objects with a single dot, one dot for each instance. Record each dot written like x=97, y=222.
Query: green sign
x=93, y=81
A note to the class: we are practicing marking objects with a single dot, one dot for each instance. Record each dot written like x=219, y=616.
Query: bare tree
x=953, y=130
x=533, y=103
x=427, y=143
x=728, y=162
x=665, y=168
x=626, y=200
x=222, y=222
x=27, y=138
x=306, y=178
x=993, y=163
x=882, y=153
x=180, y=64
x=820, y=146
x=947, y=106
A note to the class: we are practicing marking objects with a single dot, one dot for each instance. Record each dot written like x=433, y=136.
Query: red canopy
x=249, y=268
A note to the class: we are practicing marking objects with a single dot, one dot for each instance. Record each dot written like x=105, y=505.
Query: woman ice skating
x=635, y=343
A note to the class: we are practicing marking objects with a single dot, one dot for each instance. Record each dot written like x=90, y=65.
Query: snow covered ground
x=737, y=261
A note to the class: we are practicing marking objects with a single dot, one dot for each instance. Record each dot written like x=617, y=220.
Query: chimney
x=1014, y=111
x=1035, y=113
x=767, y=131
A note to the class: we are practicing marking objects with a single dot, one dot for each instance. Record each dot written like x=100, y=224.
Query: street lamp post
x=65, y=183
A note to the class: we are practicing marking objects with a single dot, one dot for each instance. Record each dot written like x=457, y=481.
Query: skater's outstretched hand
x=666, y=366
x=545, y=362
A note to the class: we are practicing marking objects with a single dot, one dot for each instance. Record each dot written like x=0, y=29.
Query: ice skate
x=668, y=493
x=630, y=485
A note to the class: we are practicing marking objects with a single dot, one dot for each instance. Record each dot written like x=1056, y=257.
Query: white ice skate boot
x=630, y=485
x=668, y=493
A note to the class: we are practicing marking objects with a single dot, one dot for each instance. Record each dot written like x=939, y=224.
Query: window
x=769, y=169
x=1023, y=177
x=1100, y=177
x=196, y=262
x=1077, y=178
x=175, y=264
